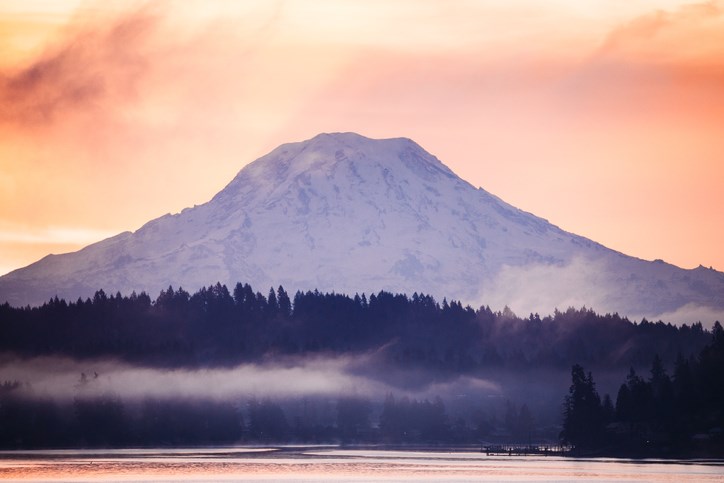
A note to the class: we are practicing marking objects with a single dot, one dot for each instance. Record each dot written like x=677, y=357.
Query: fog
x=65, y=379
x=583, y=282
x=541, y=288
x=289, y=397
x=689, y=313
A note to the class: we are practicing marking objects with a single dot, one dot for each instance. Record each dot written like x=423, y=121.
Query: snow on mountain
x=341, y=212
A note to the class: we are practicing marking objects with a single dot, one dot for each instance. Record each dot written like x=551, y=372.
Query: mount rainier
x=345, y=213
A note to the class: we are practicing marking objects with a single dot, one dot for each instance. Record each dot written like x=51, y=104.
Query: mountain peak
x=343, y=212
x=353, y=140
x=336, y=155
x=339, y=137
x=339, y=146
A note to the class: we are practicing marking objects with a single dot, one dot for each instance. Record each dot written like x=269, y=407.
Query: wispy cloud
x=95, y=66
x=692, y=33
x=184, y=93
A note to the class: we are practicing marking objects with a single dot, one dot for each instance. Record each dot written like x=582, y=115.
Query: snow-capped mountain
x=341, y=212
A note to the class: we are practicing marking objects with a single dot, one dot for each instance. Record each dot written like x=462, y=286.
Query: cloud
x=122, y=100
x=541, y=288
x=631, y=289
x=666, y=61
x=691, y=33
x=93, y=66
x=659, y=67
x=691, y=313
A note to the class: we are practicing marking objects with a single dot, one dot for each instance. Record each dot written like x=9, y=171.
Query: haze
x=603, y=117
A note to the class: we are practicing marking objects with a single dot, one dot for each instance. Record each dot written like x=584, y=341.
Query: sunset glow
x=603, y=117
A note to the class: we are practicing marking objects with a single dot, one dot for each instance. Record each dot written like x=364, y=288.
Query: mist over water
x=308, y=393
x=288, y=377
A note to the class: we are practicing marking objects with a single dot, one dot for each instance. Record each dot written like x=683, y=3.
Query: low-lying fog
x=65, y=378
x=287, y=379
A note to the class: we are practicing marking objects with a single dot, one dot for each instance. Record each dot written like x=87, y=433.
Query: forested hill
x=219, y=327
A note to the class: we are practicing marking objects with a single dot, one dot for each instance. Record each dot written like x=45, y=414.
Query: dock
x=524, y=450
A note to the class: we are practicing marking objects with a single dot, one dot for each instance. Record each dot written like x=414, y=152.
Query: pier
x=524, y=450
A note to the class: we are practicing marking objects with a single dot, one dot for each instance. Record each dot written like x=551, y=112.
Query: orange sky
x=604, y=117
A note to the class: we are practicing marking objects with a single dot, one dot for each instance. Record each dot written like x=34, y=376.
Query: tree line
x=107, y=420
x=218, y=327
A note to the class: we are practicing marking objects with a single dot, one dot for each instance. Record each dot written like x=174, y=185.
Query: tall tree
x=583, y=415
x=285, y=305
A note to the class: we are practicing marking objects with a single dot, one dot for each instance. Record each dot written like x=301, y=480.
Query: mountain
x=345, y=213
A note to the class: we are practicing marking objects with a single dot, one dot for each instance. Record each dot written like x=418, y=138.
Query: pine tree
x=272, y=304
x=285, y=304
x=583, y=416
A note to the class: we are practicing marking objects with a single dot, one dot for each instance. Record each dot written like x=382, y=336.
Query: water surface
x=310, y=463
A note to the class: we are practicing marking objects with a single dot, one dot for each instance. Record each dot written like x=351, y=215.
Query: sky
x=604, y=117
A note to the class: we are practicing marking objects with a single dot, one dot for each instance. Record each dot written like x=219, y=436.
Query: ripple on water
x=309, y=464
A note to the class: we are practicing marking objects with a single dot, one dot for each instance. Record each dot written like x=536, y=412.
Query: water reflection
x=302, y=464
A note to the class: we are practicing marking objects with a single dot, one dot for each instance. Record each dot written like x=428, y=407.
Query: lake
x=325, y=463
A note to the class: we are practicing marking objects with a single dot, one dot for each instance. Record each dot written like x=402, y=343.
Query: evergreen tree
x=662, y=394
x=272, y=304
x=624, y=411
x=583, y=416
x=285, y=305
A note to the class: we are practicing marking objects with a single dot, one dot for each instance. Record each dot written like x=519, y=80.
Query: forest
x=216, y=327
x=406, y=342
x=658, y=415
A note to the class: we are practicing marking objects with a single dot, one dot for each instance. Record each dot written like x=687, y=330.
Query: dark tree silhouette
x=353, y=418
x=583, y=415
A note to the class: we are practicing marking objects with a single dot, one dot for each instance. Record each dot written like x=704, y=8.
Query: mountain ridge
x=342, y=212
